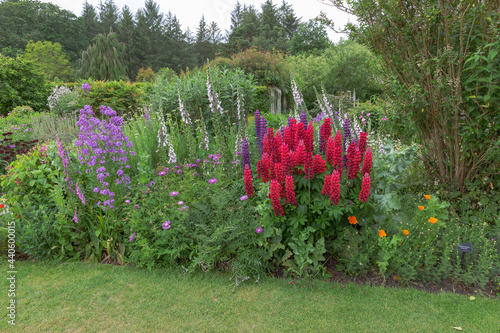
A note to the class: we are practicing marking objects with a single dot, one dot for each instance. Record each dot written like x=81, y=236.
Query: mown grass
x=79, y=297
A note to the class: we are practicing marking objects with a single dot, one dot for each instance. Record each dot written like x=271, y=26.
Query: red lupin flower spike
x=247, y=177
x=335, y=188
x=364, y=194
x=275, y=194
x=367, y=164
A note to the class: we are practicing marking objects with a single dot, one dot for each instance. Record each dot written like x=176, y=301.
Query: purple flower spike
x=257, y=128
x=303, y=119
x=246, y=153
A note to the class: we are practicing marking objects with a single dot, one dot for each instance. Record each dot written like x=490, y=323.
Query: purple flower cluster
x=86, y=88
x=102, y=147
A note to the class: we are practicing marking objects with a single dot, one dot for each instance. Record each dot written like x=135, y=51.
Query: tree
x=103, y=59
x=128, y=36
x=49, y=58
x=21, y=83
x=311, y=37
x=22, y=21
x=443, y=56
x=151, y=43
x=108, y=16
x=288, y=20
x=90, y=23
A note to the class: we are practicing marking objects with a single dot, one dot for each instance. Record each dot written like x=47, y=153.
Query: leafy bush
x=64, y=100
x=21, y=85
x=124, y=97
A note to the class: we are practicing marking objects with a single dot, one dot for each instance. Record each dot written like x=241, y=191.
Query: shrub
x=21, y=85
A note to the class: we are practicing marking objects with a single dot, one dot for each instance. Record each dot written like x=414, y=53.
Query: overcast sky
x=189, y=12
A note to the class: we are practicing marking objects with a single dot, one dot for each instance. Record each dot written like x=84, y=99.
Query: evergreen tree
x=150, y=36
x=127, y=35
x=287, y=19
x=108, y=16
x=90, y=23
x=103, y=59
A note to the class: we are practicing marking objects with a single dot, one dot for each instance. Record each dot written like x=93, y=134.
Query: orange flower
x=421, y=207
x=427, y=196
x=405, y=232
x=433, y=220
x=382, y=233
x=352, y=219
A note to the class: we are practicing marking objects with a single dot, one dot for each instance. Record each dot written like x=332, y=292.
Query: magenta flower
x=212, y=181
x=166, y=225
x=259, y=230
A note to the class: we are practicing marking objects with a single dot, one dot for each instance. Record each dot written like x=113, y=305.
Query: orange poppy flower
x=382, y=233
x=427, y=196
x=433, y=220
x=405, y=232
x=421, y=207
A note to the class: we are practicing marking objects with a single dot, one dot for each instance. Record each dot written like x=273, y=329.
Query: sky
x=189, y=12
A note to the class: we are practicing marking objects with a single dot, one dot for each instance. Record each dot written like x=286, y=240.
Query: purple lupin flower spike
x=347, y=133
x=303, y=119
x=257, y=130
x=245, y=153
x=263, y=131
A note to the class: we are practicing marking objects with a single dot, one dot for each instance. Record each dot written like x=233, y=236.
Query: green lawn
x=79, y=297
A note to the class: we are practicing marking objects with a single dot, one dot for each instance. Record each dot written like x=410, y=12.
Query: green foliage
x=103, y=59
x=22, y=111
x=310, y=38
x=47, y=125
x=50, y=59
x=122, y=96
x=266, y=67
x=64, y=100
x=442, y=67
x=346, y=66
x=145, y=75
x=209, y=226
x=22, y=85
x=192, y=90
x=22, y=21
